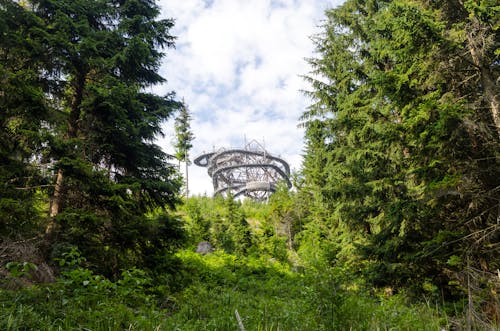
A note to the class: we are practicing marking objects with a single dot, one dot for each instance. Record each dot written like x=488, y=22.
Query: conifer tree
x=184, y=137
x=82, y=107
x=410, y=157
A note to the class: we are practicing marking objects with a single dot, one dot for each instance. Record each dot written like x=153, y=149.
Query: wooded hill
x=397, y=202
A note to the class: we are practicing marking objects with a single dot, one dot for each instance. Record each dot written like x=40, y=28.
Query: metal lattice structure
x=250, y=171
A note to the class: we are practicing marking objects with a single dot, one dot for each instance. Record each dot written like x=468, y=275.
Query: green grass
x=266, y=294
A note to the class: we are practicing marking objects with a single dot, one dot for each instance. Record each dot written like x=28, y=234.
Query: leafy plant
x=21, y=269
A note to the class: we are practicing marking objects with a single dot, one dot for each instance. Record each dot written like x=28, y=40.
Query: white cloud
x=237, y=64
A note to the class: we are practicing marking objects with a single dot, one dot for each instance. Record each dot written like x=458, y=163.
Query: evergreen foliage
x=184, y=138
x=401, y=158
x=219, y=221
x=23, y=112
x=74, y=106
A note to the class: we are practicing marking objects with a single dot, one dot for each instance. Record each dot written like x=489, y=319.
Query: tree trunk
x=491, y=96
x=74, y=116
x=487, y=78
x=55, y=202
x=289, y=233
x=187, y=177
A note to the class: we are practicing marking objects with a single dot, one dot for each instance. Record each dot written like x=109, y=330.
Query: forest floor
x=211, y=290
x=269, y=295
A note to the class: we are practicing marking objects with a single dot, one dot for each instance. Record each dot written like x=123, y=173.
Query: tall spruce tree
x=184, y=137
x=104, y=54
x=411, y=156
x=87, y=64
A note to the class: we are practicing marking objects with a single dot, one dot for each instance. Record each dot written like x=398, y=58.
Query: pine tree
x=184, y=137
x=82, y=107
x=103, y=55
x=237, y=234
x=405, y=172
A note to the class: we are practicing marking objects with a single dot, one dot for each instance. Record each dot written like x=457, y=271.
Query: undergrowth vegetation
x=257, y=269
x=267, y=295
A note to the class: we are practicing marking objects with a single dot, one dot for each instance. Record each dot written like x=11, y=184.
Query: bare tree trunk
x=490, y=91
x=289, y=233
x=488, y=82
x=186, y=160
x=55, y=202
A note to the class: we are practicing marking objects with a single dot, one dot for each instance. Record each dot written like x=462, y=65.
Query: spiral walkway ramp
x=250, y=171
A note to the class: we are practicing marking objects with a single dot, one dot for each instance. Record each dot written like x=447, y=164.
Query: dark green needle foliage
x=183, y=140
x=75, y=105
x=402, y=142
x=23, y=111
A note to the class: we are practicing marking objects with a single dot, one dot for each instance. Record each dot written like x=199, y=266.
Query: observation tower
x=250, y=171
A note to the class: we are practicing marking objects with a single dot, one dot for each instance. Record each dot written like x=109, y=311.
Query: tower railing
x=250, y=171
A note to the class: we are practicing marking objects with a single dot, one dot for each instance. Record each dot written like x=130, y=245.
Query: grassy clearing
x=266, y=293
x=269, y=296
x=266, y=296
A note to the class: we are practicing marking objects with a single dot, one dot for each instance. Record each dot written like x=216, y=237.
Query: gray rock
x=204, y=247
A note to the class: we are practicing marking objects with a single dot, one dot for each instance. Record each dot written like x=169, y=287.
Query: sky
x=238, y=65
